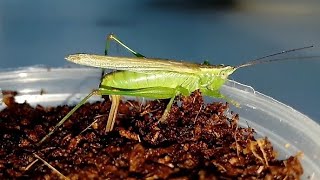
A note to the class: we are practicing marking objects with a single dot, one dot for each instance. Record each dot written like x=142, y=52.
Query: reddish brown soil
x=198, y=142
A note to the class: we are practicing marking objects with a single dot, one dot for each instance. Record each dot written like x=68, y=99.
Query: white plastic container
x=289, y=131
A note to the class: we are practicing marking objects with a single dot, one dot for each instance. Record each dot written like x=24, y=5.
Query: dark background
x=224, y=32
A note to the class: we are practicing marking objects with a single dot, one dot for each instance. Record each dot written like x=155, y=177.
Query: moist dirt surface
x=198, y=141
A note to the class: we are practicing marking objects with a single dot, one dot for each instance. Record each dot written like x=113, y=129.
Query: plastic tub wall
x=289, y=130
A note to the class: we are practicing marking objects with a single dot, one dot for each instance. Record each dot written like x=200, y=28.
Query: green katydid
x=153, y=78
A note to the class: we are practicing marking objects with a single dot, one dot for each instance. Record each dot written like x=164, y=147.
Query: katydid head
x=220, y=71
x=213, y=77
x=226, y=71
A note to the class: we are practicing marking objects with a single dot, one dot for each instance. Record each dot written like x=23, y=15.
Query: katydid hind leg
x=115, y=101
x=84, y=100
x=145, y=92
x=112, y=37
x=151, y=92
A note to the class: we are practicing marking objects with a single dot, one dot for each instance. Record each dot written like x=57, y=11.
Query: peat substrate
x=198, y=141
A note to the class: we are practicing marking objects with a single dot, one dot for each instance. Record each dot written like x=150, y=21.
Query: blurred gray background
x=223, y=32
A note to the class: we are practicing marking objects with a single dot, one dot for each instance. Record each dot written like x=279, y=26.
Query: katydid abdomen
x=169, y=84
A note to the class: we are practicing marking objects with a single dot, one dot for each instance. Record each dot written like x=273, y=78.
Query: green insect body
x=207, y=80
x=152, y=78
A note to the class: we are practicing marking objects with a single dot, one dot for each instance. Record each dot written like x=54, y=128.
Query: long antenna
x=260, y=60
